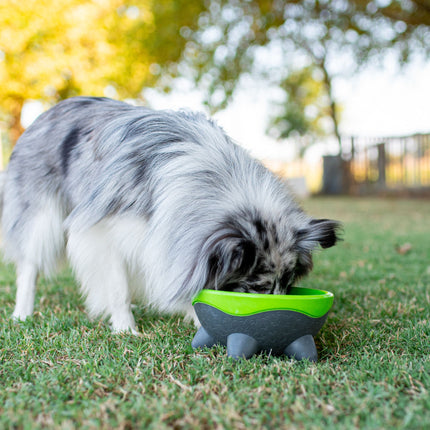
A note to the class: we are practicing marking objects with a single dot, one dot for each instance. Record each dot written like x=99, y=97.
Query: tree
x=53, y=49
x=304, y=107
x=333, y=37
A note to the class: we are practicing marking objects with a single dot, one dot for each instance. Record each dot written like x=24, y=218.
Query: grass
x=60, y=370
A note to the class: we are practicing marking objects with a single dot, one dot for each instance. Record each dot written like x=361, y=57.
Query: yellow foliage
x=52, y=48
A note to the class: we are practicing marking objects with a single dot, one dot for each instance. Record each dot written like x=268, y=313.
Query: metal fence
x=391, y=163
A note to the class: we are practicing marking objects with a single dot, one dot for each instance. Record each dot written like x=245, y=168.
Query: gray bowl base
x=279, y=332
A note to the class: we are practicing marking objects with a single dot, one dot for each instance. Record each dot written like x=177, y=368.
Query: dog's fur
x=148, y=205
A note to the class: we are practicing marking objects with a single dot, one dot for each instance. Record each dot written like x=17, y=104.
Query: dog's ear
x=231, y=256
x=323, y=232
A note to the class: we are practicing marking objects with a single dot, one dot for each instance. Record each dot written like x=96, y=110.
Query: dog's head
x=256, y=256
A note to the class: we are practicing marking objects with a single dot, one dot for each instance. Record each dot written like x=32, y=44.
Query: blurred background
x=331, y=95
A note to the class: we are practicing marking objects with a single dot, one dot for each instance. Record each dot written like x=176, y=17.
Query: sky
x=387, y=102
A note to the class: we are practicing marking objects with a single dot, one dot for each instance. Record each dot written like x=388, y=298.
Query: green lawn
x=60, y=370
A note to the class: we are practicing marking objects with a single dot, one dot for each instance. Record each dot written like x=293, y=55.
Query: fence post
x=333, y=175
x=381, y=165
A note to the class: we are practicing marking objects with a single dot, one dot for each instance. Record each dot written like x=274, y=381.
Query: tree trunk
x=333, y=104
x=15, y=128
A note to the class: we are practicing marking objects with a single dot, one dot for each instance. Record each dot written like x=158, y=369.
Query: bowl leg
x=202, y=339
x=302, y=348
x=240, y=345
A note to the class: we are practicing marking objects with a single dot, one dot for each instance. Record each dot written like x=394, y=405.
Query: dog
x=149, y=206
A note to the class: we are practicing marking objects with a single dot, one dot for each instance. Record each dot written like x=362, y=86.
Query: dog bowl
x=250, y=323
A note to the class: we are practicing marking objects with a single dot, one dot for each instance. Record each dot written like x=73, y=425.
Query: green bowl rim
x=309, y=301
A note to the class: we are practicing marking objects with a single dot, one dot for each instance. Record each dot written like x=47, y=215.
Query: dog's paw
x=19, y=316
x=126, y=330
